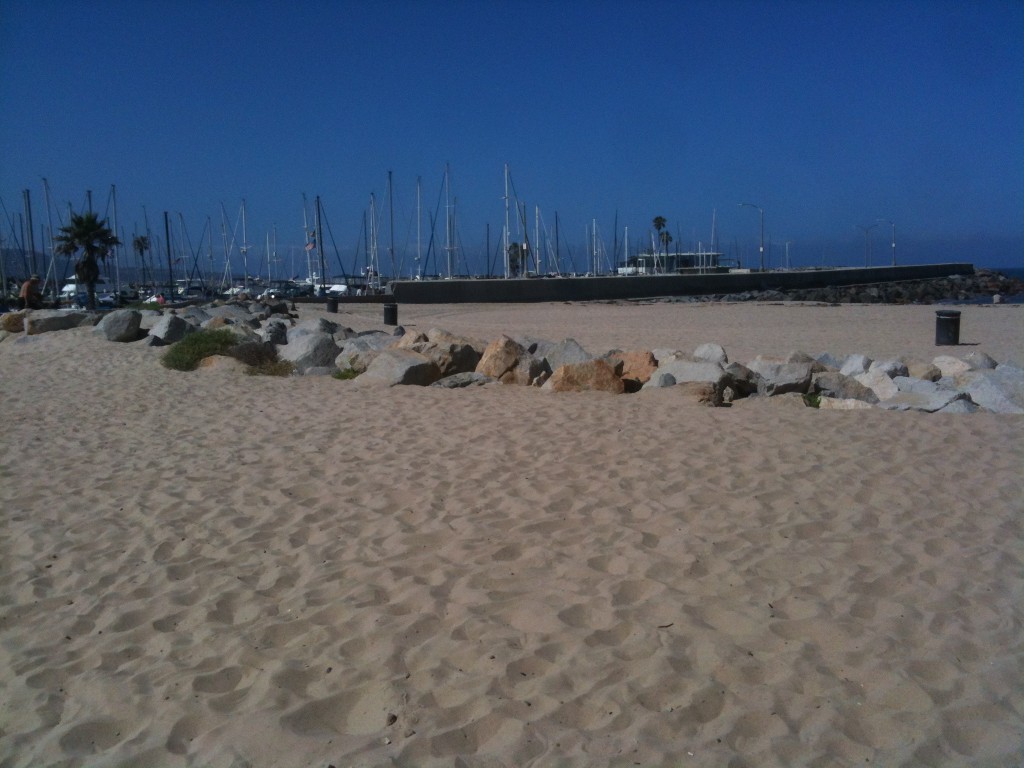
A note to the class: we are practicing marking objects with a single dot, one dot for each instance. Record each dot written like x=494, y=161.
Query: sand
x=212, y=569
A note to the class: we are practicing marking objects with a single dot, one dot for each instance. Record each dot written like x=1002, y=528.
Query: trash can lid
x=947, y=313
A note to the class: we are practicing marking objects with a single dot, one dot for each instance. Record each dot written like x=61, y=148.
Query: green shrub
x=345, y=374
x=812, y=400
x=187, y=353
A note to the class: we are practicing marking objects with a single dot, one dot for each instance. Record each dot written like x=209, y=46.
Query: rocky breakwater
x=984, y=286
x=705, y=375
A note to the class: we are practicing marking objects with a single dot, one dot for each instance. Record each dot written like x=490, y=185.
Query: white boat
x=74, y=292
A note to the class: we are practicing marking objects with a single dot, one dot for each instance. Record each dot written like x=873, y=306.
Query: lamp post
x=787, y=253
x=867, y=258
x=761, y=210
x=887, y=221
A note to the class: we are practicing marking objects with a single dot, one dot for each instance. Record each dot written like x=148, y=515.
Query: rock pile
x=706, y=376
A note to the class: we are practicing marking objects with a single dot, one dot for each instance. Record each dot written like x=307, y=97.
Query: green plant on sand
x=259, y=358
x=186, y=354
x=346, y=374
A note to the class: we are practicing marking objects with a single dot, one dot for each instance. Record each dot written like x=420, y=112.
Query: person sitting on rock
x=30, y=296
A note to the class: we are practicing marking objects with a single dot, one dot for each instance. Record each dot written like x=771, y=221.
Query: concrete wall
x=649, y=286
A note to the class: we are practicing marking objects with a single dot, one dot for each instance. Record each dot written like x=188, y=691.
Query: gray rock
x=46, y=320
x=460, y=380
x=119, y=325
x=236, y=313
x=891, y=368
x=172, y=328
x=960, y=406
x=275, y=331
x=314, y=326
x=855, y=364
x=393, y=367
x=309, y=350
x=711, y=353
x=980, y=361
x=565, y=352
x=1000, y=390
x=194, y=314
x=779, y=378
x=921, y=401
x=744, y=381
x=833, y=384
x=356, y=355
x=830, y=361
x=692, y=370
x=879, y=382
x=659, y=380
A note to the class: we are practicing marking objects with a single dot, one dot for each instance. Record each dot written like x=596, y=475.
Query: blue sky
x=828, y=115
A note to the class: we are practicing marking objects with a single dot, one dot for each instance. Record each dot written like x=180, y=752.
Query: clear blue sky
x=828, y=115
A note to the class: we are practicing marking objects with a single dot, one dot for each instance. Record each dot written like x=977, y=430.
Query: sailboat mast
x=447, y=221
x=320, y=246
x=419, y=243
x=117, y=260
x=391, y=224
x=49, y=224
x=244, y=249
x=505, y=233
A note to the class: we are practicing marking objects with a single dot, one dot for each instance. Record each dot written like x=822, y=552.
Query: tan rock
x=590, y=376
x=637, y=367
x=508, y=361
x=13, y=322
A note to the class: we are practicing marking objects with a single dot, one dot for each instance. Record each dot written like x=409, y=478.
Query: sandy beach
x=213, y=569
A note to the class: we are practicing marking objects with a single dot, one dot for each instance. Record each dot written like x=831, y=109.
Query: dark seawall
x=520, y=290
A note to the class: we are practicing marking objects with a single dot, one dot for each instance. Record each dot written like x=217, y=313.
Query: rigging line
x=330, y=233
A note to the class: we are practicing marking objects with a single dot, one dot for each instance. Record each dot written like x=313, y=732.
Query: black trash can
x=332, y=304
x=390, y=314
x=947, y=327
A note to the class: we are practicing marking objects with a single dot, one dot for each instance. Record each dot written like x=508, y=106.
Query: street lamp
x=787, y=253
x=761, y=210
x=867, y=258
x=887, y=221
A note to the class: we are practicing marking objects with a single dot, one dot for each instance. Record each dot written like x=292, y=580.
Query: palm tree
x=87, y=233
x=659, y=224
x=140, y=244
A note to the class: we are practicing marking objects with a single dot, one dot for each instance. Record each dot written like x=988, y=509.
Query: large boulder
x=779, y=376
x=275, y=331
x=634, y=368
x=878, y=381
x=119, y=325
x=13, y=322
x=453, y=354
x=314, y=326
x=392, y=367
x=309, y=350
x=358, y=352
x=47, y=320
x=171, y=328
x=891, y=368
x=683, y=370
x=590, y=375
x=1000, y=390
x=855, y=365
x=565, y=352
x=950, y=365
x=711, y=353
x=833, y=384
x=508, y=361
x=238, y=313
